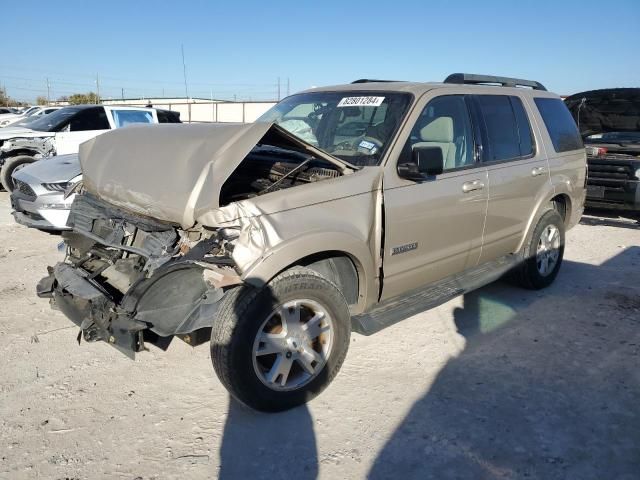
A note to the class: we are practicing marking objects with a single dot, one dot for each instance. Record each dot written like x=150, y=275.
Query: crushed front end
x=130, y=280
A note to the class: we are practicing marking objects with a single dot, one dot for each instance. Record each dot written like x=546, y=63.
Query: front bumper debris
x=91, y=310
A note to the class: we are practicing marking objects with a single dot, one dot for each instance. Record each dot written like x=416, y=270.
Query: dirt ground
x=501, y=383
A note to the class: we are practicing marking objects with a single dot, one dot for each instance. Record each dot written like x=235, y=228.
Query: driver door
x=434, y=227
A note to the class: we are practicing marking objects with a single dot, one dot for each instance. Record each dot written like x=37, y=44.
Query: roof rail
x=370, y=80
x=474, y=79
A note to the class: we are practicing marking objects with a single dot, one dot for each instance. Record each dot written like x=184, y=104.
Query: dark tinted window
x=560, y=124
x=524, y=127
x=89, y=119
x=168, y=116
x=501, y=128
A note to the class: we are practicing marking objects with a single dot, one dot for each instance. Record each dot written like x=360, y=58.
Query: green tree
x=83, y=98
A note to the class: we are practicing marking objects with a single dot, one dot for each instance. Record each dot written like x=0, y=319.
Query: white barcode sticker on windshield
x=361, y=102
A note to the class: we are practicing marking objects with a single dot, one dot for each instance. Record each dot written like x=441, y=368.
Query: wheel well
x=20, y=151
x=562, y=204
x=339, y=268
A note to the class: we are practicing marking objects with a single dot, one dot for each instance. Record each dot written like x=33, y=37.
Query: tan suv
x=340, y=209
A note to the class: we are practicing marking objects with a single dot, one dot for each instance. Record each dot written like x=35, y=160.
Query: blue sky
x=241, y=48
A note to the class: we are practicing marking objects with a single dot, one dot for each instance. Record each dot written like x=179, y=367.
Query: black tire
x=527, y=274
x=10, y=165
x=240, y=316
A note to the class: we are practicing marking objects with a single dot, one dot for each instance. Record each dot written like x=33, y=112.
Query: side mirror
x=426, y=162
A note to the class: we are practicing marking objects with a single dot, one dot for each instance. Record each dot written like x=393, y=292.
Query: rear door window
x=122, y=118
x=503, y=141
x=560, y=124
x=525, y=137
x=89, y=119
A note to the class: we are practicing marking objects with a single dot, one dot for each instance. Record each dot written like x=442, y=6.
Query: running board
x=394, y=310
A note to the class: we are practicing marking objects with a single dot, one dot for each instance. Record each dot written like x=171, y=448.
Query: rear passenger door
x=517, y=168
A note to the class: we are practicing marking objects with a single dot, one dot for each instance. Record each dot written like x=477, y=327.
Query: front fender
x=294, y=249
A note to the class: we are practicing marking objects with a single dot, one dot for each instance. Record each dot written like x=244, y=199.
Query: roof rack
x=474, y=79
x=370, y=80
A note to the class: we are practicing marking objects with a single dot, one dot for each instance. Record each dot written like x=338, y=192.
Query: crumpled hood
x=608, y=110
x=15, y=132
x=172, y=172
x=57, y=169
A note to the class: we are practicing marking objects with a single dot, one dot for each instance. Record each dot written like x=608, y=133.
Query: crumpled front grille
x=24, y=188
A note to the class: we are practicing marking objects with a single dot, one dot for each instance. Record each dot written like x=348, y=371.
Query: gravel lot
x=501, y=383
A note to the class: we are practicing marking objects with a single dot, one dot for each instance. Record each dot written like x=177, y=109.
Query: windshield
x=614, y=137
x=30, y=111
x=353, y=126
x=53, y=121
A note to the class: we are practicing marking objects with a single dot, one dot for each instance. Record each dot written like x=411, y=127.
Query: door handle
x=538, y=171
x=471, y=186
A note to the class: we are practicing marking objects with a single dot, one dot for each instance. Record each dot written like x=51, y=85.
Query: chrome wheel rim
x=293, y=345
x=548, y=250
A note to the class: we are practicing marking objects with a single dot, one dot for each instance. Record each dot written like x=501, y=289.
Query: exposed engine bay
x=267, y=169
x=125, y=273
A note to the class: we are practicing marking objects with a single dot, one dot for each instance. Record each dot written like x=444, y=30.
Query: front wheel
x=543, y=254
x=11, y=165
x=279, y=346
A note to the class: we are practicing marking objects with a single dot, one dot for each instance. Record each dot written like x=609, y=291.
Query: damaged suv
x=338, y=210
x=609, y=121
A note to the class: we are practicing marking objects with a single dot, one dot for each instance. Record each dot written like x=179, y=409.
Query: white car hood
x=21, y=132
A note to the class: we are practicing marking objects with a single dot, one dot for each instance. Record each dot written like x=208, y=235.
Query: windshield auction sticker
x=361, y=102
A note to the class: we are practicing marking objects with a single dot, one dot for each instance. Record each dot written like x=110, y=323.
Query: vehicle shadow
x=267, y=445
x=547, y=386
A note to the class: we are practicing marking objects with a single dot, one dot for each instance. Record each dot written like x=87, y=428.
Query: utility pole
x=97, y=89
x=184, y=73
x=122, y=93
x=48, y=93
x=278, y=88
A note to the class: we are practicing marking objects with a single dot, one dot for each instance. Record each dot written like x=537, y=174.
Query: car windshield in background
x=354, y=126
x=53, y=121
x=614, y=137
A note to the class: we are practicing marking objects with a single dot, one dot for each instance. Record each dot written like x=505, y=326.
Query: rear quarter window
x=168, y=116
x=560, y=124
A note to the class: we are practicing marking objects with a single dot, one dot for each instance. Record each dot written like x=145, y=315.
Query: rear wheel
x=279, y=346
x=11, y=165
x=543, y=254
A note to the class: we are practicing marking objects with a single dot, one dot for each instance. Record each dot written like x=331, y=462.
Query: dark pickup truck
x=609, y=122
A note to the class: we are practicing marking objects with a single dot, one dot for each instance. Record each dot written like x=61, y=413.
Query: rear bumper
x=128, y=323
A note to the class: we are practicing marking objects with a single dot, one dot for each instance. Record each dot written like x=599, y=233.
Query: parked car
x=609, y=122
x=61, y=133
x=27, y=116
x=40, y=198
x=275, y=247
